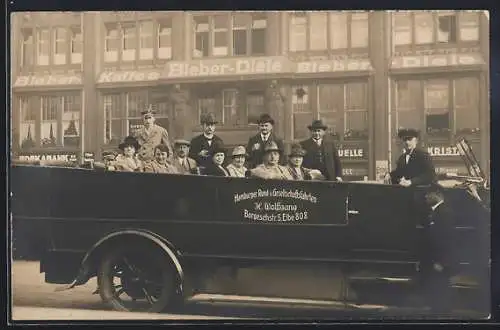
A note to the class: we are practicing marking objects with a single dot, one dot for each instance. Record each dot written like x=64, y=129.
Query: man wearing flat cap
x=257, y=143
x=150, y=136
x=203, y=145
x=414, y=166
x=321, y=153
x=183, y=163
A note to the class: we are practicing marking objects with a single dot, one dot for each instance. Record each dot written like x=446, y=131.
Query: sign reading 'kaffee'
x=127, y=76
x=227, y=67
x=47, y=80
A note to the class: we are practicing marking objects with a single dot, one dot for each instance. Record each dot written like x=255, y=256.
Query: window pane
x=424, y=28
x=146, y=30
x=259, y=20
x=71, y=120
x=331, y=98
x=240, y=42
x=220, y=22
x=300, y=98
x=408, y=118
x=467, y=106
x=359, y=30
x=220, y=44
x=356, y=125
x=27, y=127
x=300, y=122
x=201, y=23
x=201, y=45
x=338, y=30
x=129, y=38
x=447, y=28
x=438, y=123
x=118, y=132
x=51, y=107
x=230, y=104
x=408, y=94
x=111, y=38
x=298, y=33
x=206, y=105
x=60, y=41
x=240, y=21
x=356, y=96
x=436, y=94
x=402, y=28
x=255, y=106
x=114, y=107
x=27, y=47
x=258, y=41
x=318, y=31
x=469, y=26
x=330, y=119
x=76, y=40
x=137, y=102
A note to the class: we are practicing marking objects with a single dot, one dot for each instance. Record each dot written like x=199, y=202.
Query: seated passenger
x=128, y=161
x=297, y=171
x=237, y=167
x=215, y=167
x=183, y=163
x=271, y=169
x=160, y=163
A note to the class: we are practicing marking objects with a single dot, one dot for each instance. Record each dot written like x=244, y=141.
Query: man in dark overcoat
x=203, y=145
x=257, y=143
x=414, y=166
x=321, y=152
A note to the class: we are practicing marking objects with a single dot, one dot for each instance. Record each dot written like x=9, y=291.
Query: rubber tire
x=169, y=292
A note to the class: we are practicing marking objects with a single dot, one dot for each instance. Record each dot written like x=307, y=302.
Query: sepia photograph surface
x=250, y=165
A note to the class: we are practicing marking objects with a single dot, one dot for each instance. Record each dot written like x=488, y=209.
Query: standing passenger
x=256, y=144
x=237, y=167
x=203, y=145
x=150, y=136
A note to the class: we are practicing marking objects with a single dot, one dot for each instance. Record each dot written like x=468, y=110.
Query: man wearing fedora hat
x=237, y=167
x=256, y=143
x=151, y=135
x=203, y=145
x=321, y=153
x=414, y=166
x=298, y=172
x=183, y=163
x=270, y=168
x=128, y=161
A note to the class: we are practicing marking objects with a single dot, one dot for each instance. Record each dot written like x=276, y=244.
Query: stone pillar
x=379, y=96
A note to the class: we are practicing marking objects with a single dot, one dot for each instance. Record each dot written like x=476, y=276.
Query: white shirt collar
x=265, y=137
x=437, y=204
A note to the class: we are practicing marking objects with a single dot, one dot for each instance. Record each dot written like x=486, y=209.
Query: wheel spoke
x=148, y=296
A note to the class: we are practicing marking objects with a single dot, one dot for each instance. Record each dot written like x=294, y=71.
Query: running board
x=279, y=302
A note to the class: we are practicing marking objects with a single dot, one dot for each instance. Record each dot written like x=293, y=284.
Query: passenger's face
x=273, y=158
x=161, y=156
x=318, y=134
x=129, y=151
x=182, y=150
x=265, y=128
x=218, y=158
x=209, y=129
x=238, y=161
x=410, y=142
x=148, y=120
x=296, y=161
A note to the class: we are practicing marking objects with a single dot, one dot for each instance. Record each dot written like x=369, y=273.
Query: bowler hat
x=297, y=151
x=148, y=111
x=317, y=124
x=129, y=141
x=239, y=151
x=208, y=118
x=181, y=142
x=271, y=146
x=408, y=133
x=265, y=118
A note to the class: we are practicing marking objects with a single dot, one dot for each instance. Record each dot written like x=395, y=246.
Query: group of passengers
x=150, y=150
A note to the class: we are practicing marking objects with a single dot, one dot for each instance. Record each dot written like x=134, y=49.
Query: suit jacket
x=303, y=171
x=155, y=167
x=199, y=143
x=215, y=170
x=149, y=139
x=272, y=172
x=419, y=169
x=440, y=243
x=330, y=156
x=255, y=149
x=190, y=163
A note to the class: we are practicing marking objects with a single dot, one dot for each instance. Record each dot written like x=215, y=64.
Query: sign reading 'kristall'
x=47, y=80
x=227, y=67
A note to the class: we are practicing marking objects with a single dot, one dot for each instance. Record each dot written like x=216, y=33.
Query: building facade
x=80, y=80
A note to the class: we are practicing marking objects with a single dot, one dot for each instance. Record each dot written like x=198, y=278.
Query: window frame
x=24, y=47
x=66, y=40
x=39, y=46
x=74, y=39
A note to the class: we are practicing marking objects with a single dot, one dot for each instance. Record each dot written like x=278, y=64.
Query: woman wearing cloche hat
x=237, y=167
x=127, y=161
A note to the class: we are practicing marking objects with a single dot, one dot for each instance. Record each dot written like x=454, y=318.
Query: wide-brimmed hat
x=297, y=151
x=129, y=141
x=208, y=118
x=317, y=124
x=271, y=146
x=182, y=142
x=239, y=151
x=265, y=118
x=408, y=133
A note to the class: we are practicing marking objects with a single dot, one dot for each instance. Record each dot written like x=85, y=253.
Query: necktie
x=184, y=165
x=318, y=142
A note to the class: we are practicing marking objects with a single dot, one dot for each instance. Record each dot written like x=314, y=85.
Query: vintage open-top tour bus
x=155, y=240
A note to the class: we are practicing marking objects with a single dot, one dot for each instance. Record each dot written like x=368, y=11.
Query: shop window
x=71, y=120
x=356, y=114
x=146, y=40
x=255, y=106
x=207, y=105
x=129, y=42
x=302, y=111
x=111, y=43
x=122, y=112
x=51, y=106
x=231, y=115
x=76, y=45
x=165, y=39
x=27, y=50
x=328, y=30
x=466, y=107
x=438, y=27
x=330, y=106
x=27, y=130
x=437, y=114
x=60, y=46
x=43, y=42
x=407, y=104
